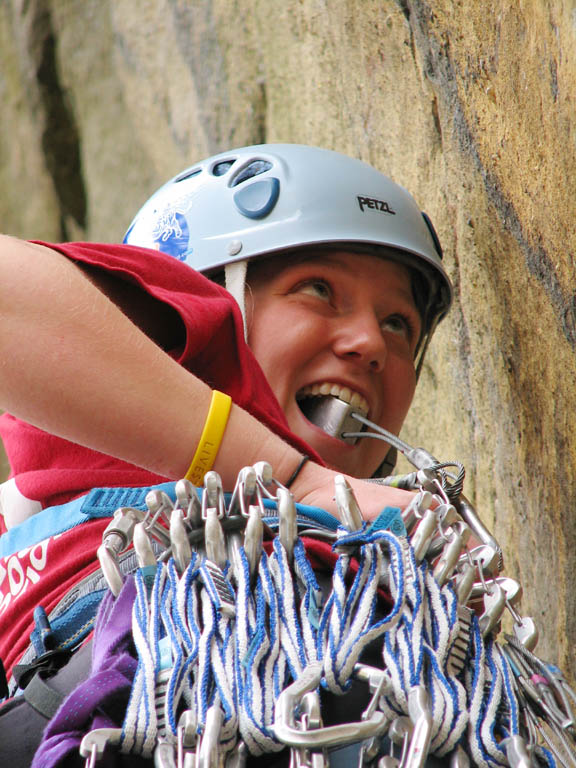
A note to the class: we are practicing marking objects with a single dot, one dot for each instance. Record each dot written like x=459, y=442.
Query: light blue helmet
x=253, y=201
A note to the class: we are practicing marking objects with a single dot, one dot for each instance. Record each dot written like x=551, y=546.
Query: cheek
x=267, y=340
x=263, y=348
x=280, y=333
x=398, y=391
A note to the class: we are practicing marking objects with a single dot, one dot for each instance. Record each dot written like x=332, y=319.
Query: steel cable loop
x=454, y=489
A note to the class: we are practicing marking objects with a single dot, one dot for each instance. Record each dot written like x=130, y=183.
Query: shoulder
x=131, y=278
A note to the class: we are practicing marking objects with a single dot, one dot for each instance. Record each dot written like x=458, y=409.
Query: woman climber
x=285, y=277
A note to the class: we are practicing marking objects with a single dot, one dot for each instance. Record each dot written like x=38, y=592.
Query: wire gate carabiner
x=234, y=644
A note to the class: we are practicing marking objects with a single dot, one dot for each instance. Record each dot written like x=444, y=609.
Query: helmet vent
x=221, y=168
x=255, y=168
x=187, y=174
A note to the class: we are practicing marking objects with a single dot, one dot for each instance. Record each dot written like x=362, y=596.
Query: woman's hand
x=315, y=486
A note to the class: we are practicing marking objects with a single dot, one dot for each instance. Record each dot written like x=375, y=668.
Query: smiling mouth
x=329, y=406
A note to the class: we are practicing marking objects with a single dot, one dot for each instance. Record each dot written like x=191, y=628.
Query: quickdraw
x=237, y=644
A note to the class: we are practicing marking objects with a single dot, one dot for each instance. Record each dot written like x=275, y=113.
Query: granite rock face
x=469, y=105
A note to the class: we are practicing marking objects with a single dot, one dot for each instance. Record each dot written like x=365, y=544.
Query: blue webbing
x=103, y=502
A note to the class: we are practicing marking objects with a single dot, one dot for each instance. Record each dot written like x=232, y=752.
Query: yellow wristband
x=211, y=437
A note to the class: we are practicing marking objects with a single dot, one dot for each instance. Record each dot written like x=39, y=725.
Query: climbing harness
x=239, y=646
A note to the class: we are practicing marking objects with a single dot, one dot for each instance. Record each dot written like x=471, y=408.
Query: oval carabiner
x=287, y=732
x=188, y=501
x=181, y=549
x=287, y=521
x=348, y=507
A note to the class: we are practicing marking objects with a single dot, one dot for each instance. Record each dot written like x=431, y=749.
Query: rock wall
x=469, y=105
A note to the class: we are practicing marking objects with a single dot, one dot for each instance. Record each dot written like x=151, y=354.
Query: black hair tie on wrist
x=297, y=471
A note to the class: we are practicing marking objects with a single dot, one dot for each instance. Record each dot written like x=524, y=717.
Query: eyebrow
x=325, y=259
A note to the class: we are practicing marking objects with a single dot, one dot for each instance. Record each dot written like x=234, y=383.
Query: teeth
x=357, y=399
x=342, y=393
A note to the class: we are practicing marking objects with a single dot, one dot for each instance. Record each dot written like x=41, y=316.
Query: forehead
x=355, y=264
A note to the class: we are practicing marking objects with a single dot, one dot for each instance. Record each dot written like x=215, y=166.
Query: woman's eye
x=317, y=288
x=398, y=324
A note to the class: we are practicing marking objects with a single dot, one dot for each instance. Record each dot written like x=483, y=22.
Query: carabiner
x=421, y=717
x=494, y=607
x=253, y=538
x=95, y=742
x=464, y=580
x=350, y=513
x=213, y=495
x=459, y=758
x=424, y=532
x=451, y=553
x=143, y=546
x=517, y=752
x=416, y=508
x=209, y=755
x=181, y=549
x=287, y=732
x=246, y=492
x=157, y=518
x=189, y=503
x=288, y=524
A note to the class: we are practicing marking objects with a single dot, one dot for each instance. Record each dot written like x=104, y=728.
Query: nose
x=359, y=338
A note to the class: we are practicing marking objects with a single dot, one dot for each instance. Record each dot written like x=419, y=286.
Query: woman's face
x=341, y=323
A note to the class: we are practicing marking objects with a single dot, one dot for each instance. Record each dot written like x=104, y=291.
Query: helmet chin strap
x=235, y=277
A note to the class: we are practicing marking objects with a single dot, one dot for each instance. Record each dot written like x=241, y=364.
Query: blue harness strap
x=103, y=502
x=99, y=502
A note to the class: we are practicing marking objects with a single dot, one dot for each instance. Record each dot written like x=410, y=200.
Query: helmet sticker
x=171, y=232
x=374, y=204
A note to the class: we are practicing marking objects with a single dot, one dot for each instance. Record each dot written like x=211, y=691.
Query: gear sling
x=232, y=642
